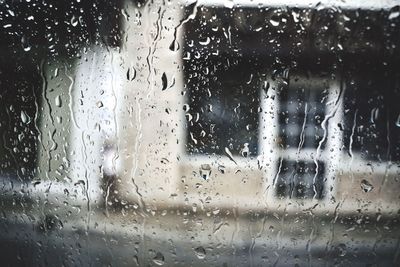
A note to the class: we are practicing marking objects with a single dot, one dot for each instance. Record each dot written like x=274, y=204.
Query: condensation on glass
x=200, y=133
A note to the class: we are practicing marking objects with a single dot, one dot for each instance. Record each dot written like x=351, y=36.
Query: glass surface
x=199, y=133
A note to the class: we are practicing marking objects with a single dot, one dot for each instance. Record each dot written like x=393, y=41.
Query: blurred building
x=268, y=106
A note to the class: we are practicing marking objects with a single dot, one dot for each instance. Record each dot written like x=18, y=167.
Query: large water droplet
x=245, y=150
x=159, y=259
x=200, y=252
x=228, y=4
x=174, y=46
x=394, y=15
x=366, y=186
x=24, y=117
x=274, y=22
x=205, y=171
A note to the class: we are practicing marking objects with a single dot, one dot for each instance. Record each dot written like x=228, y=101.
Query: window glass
x=199, y=133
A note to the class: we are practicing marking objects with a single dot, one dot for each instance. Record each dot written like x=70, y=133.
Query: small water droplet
x=131, y=74
x=25, y=44
x=221, y=169
x=58, y=101
x=164, y=81
x=24, y=117
x=99, y=104
x=159, y=259
x=374, y=115
x=398, y=121
x=342, y=249
x=200, y=252
x=186, y=107
x=205, y=171
x=266, y=86
x=74, y=21
x=189, y=116
x=366, y=186
x=80, y=182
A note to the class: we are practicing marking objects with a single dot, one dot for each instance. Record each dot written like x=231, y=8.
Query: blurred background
x=200, y=133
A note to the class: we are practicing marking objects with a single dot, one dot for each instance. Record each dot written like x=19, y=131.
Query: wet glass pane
x=199, y=133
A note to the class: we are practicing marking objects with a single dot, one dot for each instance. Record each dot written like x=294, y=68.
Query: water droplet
x=266, y=86
x=136, y=260
x=189, y=116
x=374, y=115
x=398, y=121
x=25, y=44
x=164, y=81
x=159, y=259
x=131, y=74
x=200, y=252
x=99, y=104
x=58, y=101
x=342, y=249
x=228, y=3
x=205, y=171
x=205, y=42
x=174, y=46
x=186, y=107
x=221, y=169
x=74, y=21
x=245, y=150
x=366, y=186
x=24, y=117
x=80, y=182
x=274, y=22
x=394, y=15
x=229, y=154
